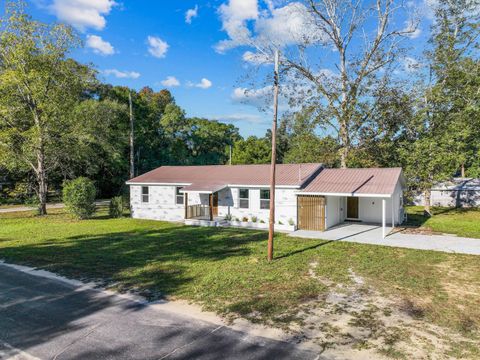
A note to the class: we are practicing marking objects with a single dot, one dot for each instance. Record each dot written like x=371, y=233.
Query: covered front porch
x=201, y=201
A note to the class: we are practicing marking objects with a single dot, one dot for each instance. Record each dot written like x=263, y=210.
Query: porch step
x=203, y=222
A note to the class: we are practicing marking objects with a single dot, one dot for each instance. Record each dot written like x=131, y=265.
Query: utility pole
x=230, y=162
x=271, y=220
x=132, y=150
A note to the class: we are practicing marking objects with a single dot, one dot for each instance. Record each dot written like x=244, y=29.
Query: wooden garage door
x=311, y=212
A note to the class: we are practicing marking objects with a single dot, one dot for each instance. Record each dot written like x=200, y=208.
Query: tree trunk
x=42, y=182
x=462, y=170
x=344, y=145
x=40, y=171
x=427, y=200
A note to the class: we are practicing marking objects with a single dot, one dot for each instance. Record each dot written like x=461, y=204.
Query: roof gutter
x=228, y=185
x=344, y=194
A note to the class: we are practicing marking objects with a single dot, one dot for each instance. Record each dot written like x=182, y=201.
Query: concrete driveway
x=372, y=234
x=42, y=318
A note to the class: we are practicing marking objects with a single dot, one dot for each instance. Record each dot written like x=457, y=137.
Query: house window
x=243, y=198
x=264, y=199
x=145, y=195
x=178, y=196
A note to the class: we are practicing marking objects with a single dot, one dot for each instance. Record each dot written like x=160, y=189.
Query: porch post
x=393, y=212
x=210, y=200
x=186, y=205
x=383, y=217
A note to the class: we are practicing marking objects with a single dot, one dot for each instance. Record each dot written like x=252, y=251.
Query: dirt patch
x=356, y=322
x=415, y=230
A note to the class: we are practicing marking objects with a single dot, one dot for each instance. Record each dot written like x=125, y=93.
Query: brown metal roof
x=380, y=181
x=204, y=187
x=207, y=176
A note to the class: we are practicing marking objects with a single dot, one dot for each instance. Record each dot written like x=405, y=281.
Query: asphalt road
x=43, y=318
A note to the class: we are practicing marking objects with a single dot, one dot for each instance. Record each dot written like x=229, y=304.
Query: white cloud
x=278, y=27
x=203, y=84
x=190, y=14
x=256, y=58
x=411, y=65
x=291, y=24
x=428, y=8
x=122, y=74
x=99, y=46
x=413, y=29
x=157, y=47
x=234, y=16
x=170, y=81
x=240, y=117
x=82, y=14
x=254, y=97
x=327, y=74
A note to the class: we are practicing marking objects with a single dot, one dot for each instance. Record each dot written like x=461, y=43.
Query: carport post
x=383, y=217
x=393, y=213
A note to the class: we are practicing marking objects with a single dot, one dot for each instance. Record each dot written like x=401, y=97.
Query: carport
x=356, y=199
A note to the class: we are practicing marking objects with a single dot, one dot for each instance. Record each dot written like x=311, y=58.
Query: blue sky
x=146, y=42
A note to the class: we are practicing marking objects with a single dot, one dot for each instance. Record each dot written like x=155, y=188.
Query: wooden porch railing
x=198, y=210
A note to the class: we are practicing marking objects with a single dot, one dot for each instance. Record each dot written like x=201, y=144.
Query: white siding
x=370, y=209
x=161, y=204
x=333, y=211
x=285, y=205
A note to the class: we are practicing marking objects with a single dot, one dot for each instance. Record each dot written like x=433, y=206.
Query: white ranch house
x=307, y=196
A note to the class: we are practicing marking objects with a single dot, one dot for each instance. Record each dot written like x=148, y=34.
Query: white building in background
x=307, y=196
x=458, y=192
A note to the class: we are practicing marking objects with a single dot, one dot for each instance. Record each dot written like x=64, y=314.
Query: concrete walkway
x=45, y=318
x=372, y=234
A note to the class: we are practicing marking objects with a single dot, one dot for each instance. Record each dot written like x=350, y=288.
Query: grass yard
x=225, y=269
x=462, y=222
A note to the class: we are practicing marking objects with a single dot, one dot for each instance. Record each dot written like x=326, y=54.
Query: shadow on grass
x=299, y=251
x=158, y=260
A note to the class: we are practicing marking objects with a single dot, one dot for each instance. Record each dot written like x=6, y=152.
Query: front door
x=215, y=204
x=352, y=208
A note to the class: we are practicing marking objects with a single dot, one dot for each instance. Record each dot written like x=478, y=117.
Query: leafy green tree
x=304, y=145
x=456, y=67
x=38, y=88
x=384, y=130
x=97, y=145
x=439, y=137
x=174, y=128
x=310, y=148
x=252, y=150
x=148, y=108
x=208, y=141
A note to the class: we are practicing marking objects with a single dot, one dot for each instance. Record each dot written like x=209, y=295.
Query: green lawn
x=225, y=269
x=462, y=222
